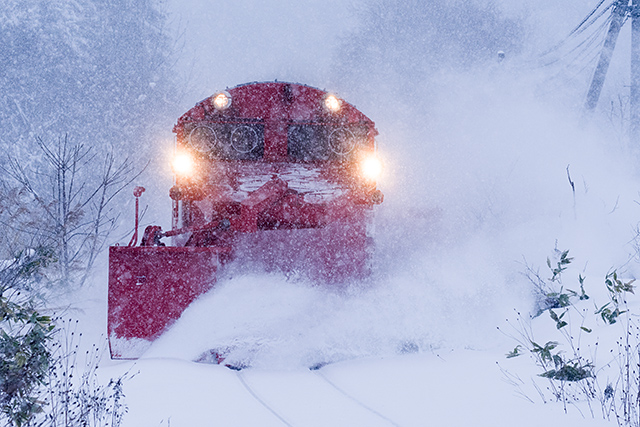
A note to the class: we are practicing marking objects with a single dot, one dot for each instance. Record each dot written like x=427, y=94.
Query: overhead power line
x=585, y=24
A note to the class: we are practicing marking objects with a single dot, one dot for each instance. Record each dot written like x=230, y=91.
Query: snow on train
x=270, y=176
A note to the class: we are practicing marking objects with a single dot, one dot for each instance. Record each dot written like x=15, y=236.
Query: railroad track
x=309, y=398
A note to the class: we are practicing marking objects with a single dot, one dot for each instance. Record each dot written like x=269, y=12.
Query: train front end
x=269, y=177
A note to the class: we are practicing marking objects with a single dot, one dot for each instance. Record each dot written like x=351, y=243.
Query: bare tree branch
x=65, y=202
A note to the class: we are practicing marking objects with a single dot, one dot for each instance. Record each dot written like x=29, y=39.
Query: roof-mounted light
x=332, y=103
x=221, y=100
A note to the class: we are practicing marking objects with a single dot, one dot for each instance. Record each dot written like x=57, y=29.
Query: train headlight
x=332, y=103
x=183, y=165
x=221, y=101
x=371, y=168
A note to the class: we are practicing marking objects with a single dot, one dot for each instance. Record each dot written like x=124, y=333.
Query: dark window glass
x=229, y=141
x=201, y=138
x=316, y=142
x=342, y=141
x=307, y=143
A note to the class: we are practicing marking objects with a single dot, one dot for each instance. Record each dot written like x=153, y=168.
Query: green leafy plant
x=25, y=335
x=568, y=359
x=617, y=287
x=550, y=296
x=561, y=265
x=558, y=319
x=544, y=352
x=608, y=315
x=569, y=371
x=610, y=312
x=42, y=382
x=517, y=351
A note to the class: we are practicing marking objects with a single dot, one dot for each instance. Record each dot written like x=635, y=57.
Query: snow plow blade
x=149, y=288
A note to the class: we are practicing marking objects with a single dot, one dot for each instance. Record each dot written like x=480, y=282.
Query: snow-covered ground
x=454, y=388
x=323, y=359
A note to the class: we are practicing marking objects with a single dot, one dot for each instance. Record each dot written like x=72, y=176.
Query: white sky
x=229, y=42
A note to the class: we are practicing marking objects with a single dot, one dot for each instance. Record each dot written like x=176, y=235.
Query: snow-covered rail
x=304, y=398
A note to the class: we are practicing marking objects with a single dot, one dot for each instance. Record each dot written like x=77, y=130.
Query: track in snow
x=309, y=399
x=260, y=400
x=340, y=390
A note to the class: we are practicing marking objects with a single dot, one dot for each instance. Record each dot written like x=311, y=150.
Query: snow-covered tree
x=411, y=41
x=64, y=204
x=86, y=85
x=96, y=70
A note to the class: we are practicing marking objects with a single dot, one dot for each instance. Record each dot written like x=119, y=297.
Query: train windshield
x=308, y=142
x=244, y=141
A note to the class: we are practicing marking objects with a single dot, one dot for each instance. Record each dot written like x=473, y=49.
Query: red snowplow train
x=270, y=176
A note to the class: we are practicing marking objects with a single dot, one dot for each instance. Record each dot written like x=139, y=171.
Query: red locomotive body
x=269, y=176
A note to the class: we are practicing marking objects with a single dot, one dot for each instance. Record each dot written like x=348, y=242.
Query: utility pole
x=634, y=98
x=617, y=19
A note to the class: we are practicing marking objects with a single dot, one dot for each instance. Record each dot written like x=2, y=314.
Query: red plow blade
x=149, y=288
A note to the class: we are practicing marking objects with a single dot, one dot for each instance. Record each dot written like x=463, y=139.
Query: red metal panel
x=335, y=255
x=149, y=288
x=275, y=141
x=277, y=101
x=256, y=203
